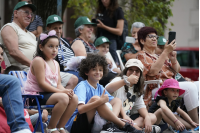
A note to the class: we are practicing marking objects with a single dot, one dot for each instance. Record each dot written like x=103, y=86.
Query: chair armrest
x=153, y=82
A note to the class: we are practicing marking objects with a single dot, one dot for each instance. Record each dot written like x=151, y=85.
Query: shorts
x=81, y=125
x=46, y=96
x=65, y=78
x=135, y=116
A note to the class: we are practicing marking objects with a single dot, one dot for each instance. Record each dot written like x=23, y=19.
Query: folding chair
x=22, y=76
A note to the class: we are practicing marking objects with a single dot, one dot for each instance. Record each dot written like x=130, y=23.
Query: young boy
x=92, y=97
x=102, y=44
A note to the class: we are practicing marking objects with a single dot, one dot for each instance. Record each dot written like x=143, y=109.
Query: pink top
x=31, y=86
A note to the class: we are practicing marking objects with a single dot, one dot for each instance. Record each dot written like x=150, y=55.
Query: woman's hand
x=133, y=79
x=179, y=125
x=147, y=124
x=100, y=24
x=170, y=47
x=69, y=92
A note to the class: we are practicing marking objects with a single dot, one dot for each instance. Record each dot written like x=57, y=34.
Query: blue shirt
x=85, y=92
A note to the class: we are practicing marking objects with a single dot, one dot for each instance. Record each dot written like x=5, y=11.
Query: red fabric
x=3, y=65
x=28, y=120
x=4, y=128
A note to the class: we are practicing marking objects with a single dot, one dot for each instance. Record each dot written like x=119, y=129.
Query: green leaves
x=153, y=13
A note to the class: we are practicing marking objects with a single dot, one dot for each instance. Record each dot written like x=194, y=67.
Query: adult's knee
x=74, y=80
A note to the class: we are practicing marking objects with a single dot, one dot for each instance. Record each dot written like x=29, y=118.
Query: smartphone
x=172, y=36
x=130, y=39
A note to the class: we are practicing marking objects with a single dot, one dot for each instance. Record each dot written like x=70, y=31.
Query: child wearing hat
x=129, y=88
x=102, y=44
x=165, y=105
x=160, y=45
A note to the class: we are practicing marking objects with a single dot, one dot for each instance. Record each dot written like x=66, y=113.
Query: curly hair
x=139, y=87
x=90, y=62
x=142, y=34
x=111, y=8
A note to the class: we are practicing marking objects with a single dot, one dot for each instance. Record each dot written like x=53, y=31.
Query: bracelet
x=126, y=81
x=175, y=121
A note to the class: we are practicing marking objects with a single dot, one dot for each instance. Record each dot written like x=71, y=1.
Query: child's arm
x=186, y=117
x=113, y=86
x=38, y=69
x=83, y=108
x=147, y=121
x=170, y=115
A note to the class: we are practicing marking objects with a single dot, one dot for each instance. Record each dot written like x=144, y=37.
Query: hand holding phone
x=172, y=36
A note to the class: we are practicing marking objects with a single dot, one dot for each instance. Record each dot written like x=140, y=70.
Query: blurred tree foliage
x=46, y=8
x=153, y=13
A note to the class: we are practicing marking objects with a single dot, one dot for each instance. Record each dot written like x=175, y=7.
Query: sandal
x=59, y=129
x=51, y=130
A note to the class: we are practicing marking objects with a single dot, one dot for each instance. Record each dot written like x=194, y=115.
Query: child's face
x=103, y=48
x=1, y=55
x=50, y=49
x=133, y=70
x=95, y=74
x=171, y=93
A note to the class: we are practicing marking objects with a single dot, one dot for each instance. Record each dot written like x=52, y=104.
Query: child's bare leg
x=60, y=100
x=185, y=123
x=116, y=105
x=68, y=112
x=107, y=114
x=91, y=113
x=194, y=115
x=161, y=115
x=140, y=120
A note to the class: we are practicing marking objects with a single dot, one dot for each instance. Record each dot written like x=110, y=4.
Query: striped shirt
x=33, y=25
x=64, y=54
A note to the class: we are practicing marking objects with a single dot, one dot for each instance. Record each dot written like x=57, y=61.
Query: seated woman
x=83, y=30
x=129, y=50
x=129, y=88
x=164, y=67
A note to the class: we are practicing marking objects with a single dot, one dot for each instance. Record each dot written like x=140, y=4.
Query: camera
x=98, y=16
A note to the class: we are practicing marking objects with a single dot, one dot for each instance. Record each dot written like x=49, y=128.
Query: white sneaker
x=155, y=129
x=23, y=131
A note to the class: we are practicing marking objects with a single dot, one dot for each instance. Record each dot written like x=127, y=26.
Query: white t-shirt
x=133, y=103
x=27, y=45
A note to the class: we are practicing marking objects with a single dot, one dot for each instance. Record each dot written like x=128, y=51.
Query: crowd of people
x=89, y=91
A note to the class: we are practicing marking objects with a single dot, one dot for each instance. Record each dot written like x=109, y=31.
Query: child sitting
x=92, y=97
x=165, y=105
x=102, y=44
x=129, y=88
x=44, y=78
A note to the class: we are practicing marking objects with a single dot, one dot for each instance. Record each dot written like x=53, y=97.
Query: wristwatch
x=126, y=81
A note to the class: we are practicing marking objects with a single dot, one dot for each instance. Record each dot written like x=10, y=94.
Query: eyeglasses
x=27, y=13
x=153, y=36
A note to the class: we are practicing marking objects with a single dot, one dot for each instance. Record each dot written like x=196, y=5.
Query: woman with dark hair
x=129, y=88
x=110, y=23
x=165, y=66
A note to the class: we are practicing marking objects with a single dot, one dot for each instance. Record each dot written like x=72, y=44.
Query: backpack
x=121, y=39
